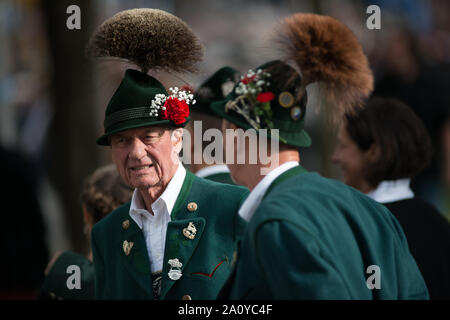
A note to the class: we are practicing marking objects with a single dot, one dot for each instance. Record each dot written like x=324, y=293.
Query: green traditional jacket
x=206, y=259
x=317, y=238
x=56, y=286
x=222, y=177
x=216, y=173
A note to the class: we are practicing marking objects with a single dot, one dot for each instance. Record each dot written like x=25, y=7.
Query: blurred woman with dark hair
x=103, y=191
x=380, y=148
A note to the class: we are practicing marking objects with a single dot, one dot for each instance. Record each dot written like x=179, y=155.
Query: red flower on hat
x=175, y=110
x=248, y=79
x=265, y=97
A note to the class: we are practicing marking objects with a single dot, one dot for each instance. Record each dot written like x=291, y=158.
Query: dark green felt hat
x=215, y=88
x=270, y=97
x=135, y=104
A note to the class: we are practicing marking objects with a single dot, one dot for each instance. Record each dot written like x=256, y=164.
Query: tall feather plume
x=326, y=51
x=152, y=39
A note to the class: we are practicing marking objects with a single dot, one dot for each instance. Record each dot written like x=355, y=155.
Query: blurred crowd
x=409, y=55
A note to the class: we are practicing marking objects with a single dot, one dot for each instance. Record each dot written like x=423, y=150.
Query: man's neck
x=149, y=195
x=253, y=174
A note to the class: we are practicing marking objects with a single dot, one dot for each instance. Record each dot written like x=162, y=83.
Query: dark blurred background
x=52, y=99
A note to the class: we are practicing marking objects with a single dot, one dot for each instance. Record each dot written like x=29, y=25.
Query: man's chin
x=146, y=184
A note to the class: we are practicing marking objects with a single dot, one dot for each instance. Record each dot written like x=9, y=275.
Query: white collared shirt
x=255, y=197
x=154, y=226
x=209, y=171
x=390, y=191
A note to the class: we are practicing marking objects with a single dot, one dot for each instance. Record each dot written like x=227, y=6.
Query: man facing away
x=204, y=122
x=309, y=237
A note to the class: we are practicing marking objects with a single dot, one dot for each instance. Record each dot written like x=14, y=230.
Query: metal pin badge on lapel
x=192, y=206
x=175, y=269
x=127, y=247
x=126, y=224
x=190, y=231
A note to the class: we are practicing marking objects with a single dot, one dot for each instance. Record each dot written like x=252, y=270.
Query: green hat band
x=125, y=115
x=141, y=101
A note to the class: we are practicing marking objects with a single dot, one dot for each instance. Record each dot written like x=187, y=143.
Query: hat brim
x=296, y=138
x=135, y=123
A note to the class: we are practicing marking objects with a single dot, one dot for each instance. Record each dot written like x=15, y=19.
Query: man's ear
x=373, y=153
x=190, y=129
x=177, y=139
x=228, y=125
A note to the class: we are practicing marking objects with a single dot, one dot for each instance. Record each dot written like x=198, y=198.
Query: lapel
x=284, y=176
x=177, y=245
x=136, y=261
x=180, y=247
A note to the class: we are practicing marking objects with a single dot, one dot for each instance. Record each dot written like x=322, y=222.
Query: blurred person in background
x=22, y=237
x=446, y=143
x=215, y=88
x=410, y=75
x=103, y=192
x=380, y=148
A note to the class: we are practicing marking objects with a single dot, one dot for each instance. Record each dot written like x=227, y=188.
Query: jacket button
x=186, y=297
x=192, y=206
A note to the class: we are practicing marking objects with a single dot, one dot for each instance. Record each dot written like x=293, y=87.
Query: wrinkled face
x=351, y=159
x=146, y=157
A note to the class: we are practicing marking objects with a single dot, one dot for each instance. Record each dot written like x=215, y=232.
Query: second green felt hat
x=268, y=97
x=215, y=88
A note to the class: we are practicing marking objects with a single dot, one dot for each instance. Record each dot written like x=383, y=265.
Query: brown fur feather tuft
x=150, y=38
x=327, y=51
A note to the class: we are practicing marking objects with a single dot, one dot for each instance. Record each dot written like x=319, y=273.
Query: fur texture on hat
x=326, y=51
x=150, y=38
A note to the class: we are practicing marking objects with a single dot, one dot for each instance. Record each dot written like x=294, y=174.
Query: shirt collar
x=255, y=197
x=390, y=191
x=209, y=171
x=165, y=201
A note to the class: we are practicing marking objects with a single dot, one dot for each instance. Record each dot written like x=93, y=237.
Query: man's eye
x=151, y=138
x=119, y=141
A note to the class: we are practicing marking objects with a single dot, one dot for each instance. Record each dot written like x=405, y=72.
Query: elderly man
x=177, y=236
x=309, y=237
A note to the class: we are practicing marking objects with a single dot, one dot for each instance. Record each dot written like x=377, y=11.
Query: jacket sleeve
x=99, y=266
x=293, y=264
x=239, y=223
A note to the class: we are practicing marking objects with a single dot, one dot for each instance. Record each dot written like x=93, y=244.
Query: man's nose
x=137, y=150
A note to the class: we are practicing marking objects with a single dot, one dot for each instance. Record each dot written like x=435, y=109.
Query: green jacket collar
x=285, y=176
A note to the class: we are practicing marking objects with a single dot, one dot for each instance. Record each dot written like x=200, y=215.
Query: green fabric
x=223, y=177
x=137, y=90
x=183, y=195
x=286, y=175
x=218, y=225
x=314, y=238
x=290, y=131
x=55, y=283
x=212, y=89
